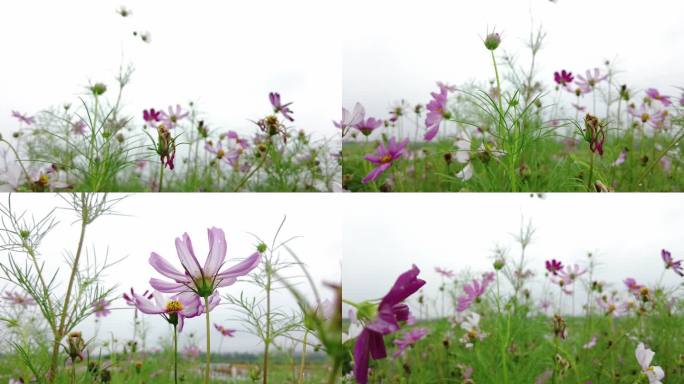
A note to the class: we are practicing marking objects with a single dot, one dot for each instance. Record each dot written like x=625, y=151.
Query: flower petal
x=240, y=269
x=217, y=251
x=187, y=256
x=167, y=286
x=165, y=268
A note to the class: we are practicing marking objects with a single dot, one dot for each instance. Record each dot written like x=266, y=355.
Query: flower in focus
x=390, y=312
x=554, y=266
x=152, y=115
x=23, y=118
x=492, y=41
x=203, y=281
x=172, y=118
x=563, y=78
x=351, y=119
x=644, y=357
x=655, y=95
x=436, y=111
x=408, y=339
x=224, y=331
x=173, y=309
x=384, y=156
x=671, y=263
x=279, y=107
x=18, y=299
x=473, y=291
x=367, y=126
x=101, y=308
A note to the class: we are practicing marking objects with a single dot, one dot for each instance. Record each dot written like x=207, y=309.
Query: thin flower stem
x=16, y=156
x=161, y=176
x=175, y=354
x=207, y=371
x=52, y=374
x=591, y=171
x=267, y=341
x=246, y=178
x=302, y=364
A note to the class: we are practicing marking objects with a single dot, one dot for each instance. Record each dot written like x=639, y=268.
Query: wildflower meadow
x=280, y=322
x=573, y=129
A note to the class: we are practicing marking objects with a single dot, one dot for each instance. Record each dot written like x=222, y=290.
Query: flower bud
x=492, y=41
x=98, y=89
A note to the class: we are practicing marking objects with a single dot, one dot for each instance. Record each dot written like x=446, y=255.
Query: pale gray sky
x=385, y=234
x=152, y=223
x=398, y=49
x=226, y=56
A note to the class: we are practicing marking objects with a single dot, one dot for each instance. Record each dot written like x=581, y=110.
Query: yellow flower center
x=386, y=159
x=43, y=180
x=174, y=306
x=220, y=153
x=645, y=117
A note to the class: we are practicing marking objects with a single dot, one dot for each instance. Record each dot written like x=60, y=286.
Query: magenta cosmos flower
x=563, y=78
x=232, y=135
x=391, y=311
x=130, y=299
x=671, y=263
x=174, y=309
x=279, y=107
x=633, y=286
x=23, y=117
x=225, y=331
x=151, y=115
x=101, y=308
x=655, y=95
x=436, y=111
x=554, y=266
x=408, y=339
x=367, y=126
x=202, y=280
x=473, y=291
x=384, y=156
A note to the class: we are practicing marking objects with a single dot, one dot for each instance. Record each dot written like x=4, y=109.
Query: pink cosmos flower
x=655, y=95
x=384, y=156
x=225, y=331
x=351, y=119
x=671, y=263
x=612, y=306
x=391, y=311
x=563, y=77
x=191, y=351
x=18, y=299
x=408, y=339
x=279, y=107
x=174, y=309
x=230, y=157
x=571, y=273
x=633, y=286
x=232, y=135
x=172, y=118
x=473, y=291
x=130, y=299
x=101, y=308
x=646, y=116
x=398, y=110
x=591, y=80
x=152, y=115
x=367, y=126
x=591, y=343
x=436, y=111
x=202, y=280
x=78, y=127
x=554, y=266
x=622, y=157
x=448, y=273
x=23, y=118
x=644, y=357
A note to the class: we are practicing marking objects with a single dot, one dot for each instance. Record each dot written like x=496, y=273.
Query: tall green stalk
x=175, y=354
x=502, y=125
x=208, y=368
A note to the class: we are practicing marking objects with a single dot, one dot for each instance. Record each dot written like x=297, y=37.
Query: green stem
x=175, y=354
x=207, y=372
x=591, y=171
x=511, y=170
x=267, y=341
x=161, y=176
x=246, y=178
x=302, y=364
x=52, y=373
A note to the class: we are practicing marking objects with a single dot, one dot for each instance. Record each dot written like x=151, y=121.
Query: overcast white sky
x=155, y=220
x=385, y=234
x=226, y=56
x=396, y=49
